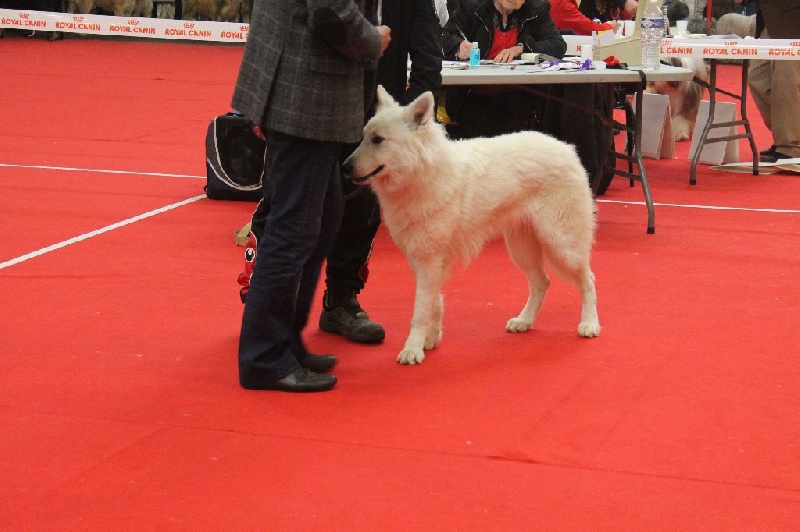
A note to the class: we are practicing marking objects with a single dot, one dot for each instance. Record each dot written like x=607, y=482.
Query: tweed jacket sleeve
x=302, y=72
x=343, y=27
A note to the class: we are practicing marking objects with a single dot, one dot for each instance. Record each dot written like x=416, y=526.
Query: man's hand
x=631, y=6
x=463, y=50
x=508, y=55
x=386, y=37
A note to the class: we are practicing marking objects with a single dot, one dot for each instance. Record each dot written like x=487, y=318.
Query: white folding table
x=714, y=49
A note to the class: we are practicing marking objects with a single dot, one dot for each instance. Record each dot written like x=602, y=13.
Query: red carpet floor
x=119, y=401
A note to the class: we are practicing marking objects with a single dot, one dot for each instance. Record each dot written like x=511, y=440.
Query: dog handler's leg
x=526, y=253
x=429, y=276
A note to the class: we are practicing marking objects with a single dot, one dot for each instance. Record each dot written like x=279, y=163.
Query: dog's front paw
x=410, y=357
x=516, y=325
x=588, y=330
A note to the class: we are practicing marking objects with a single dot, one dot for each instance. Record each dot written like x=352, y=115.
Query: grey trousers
x=775, y=86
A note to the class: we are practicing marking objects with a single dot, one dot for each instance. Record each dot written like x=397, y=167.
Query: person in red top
x=609, y=9
x=567, y=16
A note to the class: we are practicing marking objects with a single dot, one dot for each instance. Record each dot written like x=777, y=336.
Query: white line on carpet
x=711, y=207
x=68, y=169
x=97, y=232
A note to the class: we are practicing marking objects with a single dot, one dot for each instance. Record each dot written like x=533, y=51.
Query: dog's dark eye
x=377, y=140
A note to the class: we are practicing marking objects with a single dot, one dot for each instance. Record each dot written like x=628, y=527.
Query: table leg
x=637, y=154
x=712, y=101
x=635, y=157
x=745, y=120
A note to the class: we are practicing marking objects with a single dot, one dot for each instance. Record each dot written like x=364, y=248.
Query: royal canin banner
x=155, y=28
x=712, y=47
x=721, y=48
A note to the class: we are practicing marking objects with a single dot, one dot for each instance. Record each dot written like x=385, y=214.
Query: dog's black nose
x=347, y=168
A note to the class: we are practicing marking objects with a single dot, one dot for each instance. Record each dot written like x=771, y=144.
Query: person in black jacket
x=415, y=35
x=504, y=30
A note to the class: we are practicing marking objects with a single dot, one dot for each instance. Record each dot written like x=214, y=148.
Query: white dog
x=443, y=200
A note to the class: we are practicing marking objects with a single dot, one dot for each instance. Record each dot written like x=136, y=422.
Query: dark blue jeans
x=306, y=209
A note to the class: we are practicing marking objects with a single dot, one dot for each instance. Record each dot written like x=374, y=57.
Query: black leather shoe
x=318, y=363
x=303, y=380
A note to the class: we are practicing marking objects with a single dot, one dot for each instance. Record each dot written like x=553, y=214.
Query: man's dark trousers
x=303, y=220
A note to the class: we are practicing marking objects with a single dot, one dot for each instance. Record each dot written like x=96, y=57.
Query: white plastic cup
x=587, y=51
x=630, y=27
x=682, y=27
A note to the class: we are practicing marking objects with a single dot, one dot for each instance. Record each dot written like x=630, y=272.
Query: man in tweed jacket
x=302, y=80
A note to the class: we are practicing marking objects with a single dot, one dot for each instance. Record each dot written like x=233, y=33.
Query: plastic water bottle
x=664, y=9
x=652, y=33
x=474, y=55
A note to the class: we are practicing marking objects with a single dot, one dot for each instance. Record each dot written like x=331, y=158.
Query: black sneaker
x=346, y=317
x=774, y=157
x=768, y=152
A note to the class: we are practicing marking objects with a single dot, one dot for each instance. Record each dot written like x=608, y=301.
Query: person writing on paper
x=504, y=30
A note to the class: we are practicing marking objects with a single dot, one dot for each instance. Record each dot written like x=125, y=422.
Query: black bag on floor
x=234, y=159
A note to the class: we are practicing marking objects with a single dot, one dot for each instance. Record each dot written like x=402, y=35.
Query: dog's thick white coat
x=443, y=200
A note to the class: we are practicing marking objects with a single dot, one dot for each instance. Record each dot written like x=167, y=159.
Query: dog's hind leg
x=526, y=253
x=583, y=278
x=426, y=323
x=590, y=323
x=569, y=252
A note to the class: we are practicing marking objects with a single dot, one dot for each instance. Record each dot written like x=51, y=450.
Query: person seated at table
x=605, y=10
x=504, y=30
x=568, y=17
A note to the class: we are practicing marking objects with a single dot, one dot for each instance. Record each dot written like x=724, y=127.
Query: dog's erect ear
x=385, y=99
x=420, y=110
